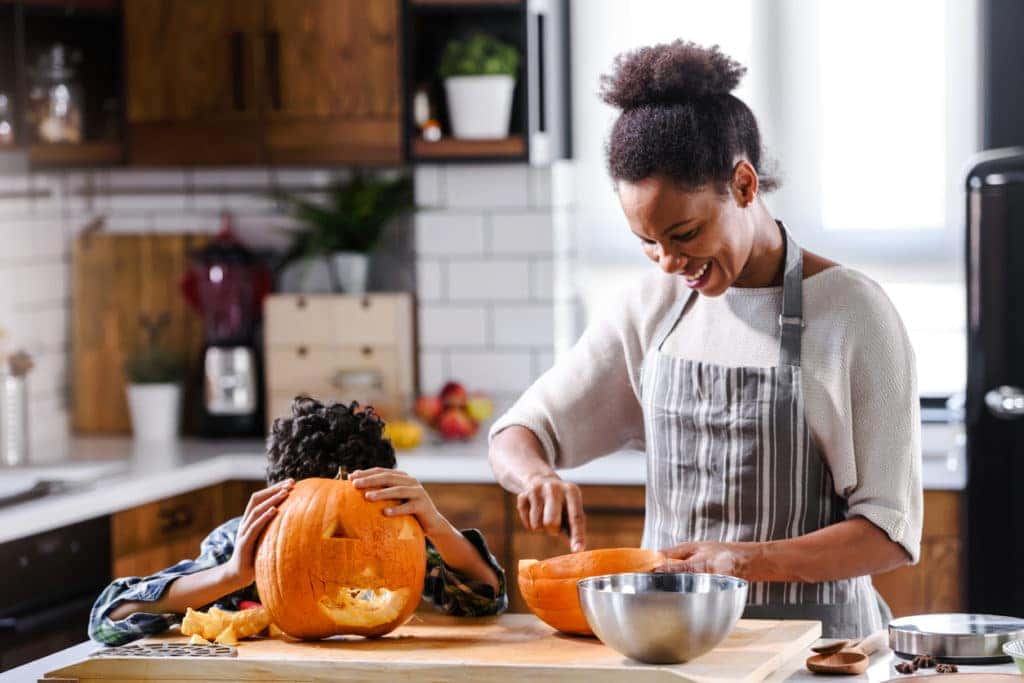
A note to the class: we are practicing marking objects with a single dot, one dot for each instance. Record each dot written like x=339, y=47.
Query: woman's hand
x=547, y=502
x=241, y=568
x=388, y=484
x=709, y=557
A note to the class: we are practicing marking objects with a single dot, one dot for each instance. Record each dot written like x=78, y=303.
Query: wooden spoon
x=852, y=659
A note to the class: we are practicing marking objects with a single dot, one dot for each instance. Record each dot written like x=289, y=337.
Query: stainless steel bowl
x=662, y=618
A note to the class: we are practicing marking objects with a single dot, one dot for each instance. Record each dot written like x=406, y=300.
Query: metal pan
x=955, y=638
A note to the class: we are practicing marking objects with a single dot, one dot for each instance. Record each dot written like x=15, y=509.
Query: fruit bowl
x=454, y=413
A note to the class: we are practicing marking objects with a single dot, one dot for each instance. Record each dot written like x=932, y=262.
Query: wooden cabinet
x=250, y=81
x=935, y=584
x=192, y=87
x=154, y=536
x=332, y=81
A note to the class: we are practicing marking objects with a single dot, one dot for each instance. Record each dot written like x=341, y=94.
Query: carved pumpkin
x=549, y=586
x=331, y=563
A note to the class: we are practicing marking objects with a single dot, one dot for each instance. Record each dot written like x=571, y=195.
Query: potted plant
x=154, y=385
x=479, y=77
x=347, y=227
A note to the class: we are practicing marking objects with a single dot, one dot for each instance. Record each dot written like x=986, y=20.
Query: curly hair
x=317, y=440
x=679, y=118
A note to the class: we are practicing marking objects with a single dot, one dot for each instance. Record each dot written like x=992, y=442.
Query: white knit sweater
x=859, y=383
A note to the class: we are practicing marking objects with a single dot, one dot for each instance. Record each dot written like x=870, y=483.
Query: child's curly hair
x=679, y=117
x=318, y=440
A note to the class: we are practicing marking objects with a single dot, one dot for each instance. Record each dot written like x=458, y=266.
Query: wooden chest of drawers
x=342, y=348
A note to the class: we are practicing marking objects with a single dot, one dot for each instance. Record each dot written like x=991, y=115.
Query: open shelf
x=452, y=148
x=81, y=154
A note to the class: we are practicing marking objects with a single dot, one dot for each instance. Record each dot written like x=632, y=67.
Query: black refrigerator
x=995, y=383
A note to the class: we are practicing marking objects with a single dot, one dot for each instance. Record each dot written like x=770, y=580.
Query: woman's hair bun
x=668, y=73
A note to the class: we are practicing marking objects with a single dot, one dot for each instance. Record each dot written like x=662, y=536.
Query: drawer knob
x=366, y=302
x=175, y=518
x=301, y=302
x=367, y=351
x=302, y=351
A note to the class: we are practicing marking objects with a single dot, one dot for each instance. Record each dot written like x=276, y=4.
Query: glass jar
x=6, y=121
x=55, y=99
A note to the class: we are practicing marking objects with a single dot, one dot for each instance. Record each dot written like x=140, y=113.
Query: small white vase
x=155, y=411
x=351, y=269
x=479, y=107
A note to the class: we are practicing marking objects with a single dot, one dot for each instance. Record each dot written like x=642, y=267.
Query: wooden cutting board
x=115, y=279
x=514, y=647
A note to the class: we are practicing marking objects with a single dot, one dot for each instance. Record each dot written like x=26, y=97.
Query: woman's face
x=702, y=236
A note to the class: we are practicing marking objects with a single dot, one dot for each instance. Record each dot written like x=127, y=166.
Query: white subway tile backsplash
x=522, y=233
x=302, y=177
x=540, y=187
x=491, y=187
x=542, y=361
x=432, y=371
x=45, y=283
x=445, y=326
x=529, y=326
x=184, y=222
x=542, y=279
x=41, y=329
x=429, y=281
x=428, y=186
x=488, y=280
x=493, y=371
x=148, y=202
x=255, y=177
x=16, y=207
x=169, y=179
x=444, y=233
x=16, y=240
x=48, y=240
x=49, y=376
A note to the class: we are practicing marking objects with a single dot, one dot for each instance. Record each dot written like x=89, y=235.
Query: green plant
x=151, y=363
x=352, y=219
x=480, y=54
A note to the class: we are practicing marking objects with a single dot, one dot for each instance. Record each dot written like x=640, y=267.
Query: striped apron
x=730, y=458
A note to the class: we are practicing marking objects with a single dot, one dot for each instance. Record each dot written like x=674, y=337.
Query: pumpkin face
x=549, y=586
x=331, y=563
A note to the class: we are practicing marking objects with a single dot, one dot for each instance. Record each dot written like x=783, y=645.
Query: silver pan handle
x=1005, y=402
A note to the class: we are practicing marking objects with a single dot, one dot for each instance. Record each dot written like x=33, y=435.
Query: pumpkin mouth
x=363, y=607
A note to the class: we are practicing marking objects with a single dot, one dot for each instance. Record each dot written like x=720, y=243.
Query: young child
x=463, y=578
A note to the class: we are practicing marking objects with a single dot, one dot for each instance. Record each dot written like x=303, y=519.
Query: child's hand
x=261, y=509
x=388, y=484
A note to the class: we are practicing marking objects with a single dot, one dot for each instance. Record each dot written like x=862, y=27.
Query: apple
x=479, y=407
x=453, y=395
x=428, y=408
x=248, y=604
x=454, y=423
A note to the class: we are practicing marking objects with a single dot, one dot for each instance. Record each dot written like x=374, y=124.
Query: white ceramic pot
x=479, y=107
x=155, y=411
x=351, y=269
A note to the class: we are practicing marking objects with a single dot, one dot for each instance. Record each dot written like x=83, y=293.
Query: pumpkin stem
x=342, y=474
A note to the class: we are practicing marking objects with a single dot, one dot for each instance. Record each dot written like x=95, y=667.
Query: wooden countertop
x=512, y=647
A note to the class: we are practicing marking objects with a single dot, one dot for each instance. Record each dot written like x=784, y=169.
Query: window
x=870, y=110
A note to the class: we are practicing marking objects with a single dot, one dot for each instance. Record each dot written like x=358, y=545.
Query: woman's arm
x=853, y=547
x=518, y=461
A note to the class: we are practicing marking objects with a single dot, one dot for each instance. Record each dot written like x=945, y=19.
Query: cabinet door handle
x=238, y=69
x=272, y=45
x=175, y=518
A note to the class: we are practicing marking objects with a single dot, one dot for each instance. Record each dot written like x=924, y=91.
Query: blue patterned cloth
x=448, y=590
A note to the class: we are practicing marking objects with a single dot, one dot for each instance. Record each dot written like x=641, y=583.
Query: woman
x=773, y=389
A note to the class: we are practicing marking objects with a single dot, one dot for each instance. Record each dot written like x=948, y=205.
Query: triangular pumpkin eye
x=337, y=530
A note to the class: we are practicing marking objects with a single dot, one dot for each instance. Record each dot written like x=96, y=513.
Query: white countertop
x=881, y=668
x=134, y=474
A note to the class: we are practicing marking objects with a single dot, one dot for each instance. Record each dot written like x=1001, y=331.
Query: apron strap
x=792, y=318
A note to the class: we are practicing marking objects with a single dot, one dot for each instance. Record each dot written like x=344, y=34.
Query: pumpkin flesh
x=549, y=586
x=330, y=563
